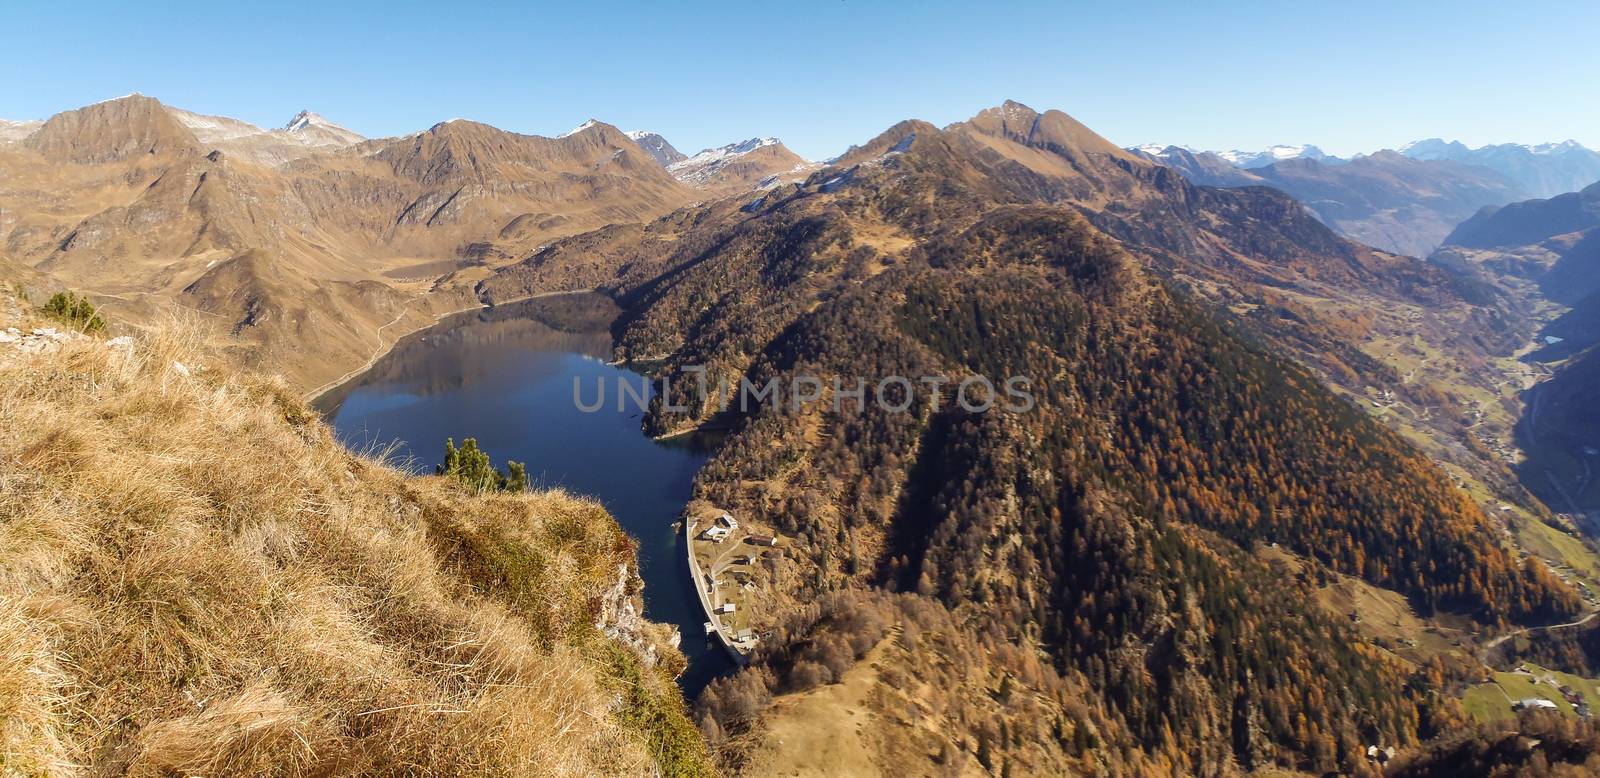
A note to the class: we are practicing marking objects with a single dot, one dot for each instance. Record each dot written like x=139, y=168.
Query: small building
x=762, y=540
x=710, y=628
x=1534, y=703
x=726, y=521
x=729, y=607
x=715, y=534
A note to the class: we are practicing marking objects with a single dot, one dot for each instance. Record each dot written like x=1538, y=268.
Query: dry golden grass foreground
x=195, y=578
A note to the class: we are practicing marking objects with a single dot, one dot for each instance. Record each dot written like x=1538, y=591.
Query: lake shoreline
x=504, y=377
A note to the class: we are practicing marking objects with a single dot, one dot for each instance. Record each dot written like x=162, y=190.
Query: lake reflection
x=505, y=376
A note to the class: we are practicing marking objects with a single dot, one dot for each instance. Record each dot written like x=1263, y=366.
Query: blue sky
x=1348, y=76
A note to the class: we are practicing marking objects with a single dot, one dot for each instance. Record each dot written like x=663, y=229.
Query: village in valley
x=725, y=559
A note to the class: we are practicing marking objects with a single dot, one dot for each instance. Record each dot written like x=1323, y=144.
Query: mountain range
x=1543, y=170
x=1247, y=159
x=1405, y=201
x=1021, y=242
x=1540, y=170
x=274, y=234
x=1261, y=516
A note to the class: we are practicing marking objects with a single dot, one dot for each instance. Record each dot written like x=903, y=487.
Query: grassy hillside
x=195, y=578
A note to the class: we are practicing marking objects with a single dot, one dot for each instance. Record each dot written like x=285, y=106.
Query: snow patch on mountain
x=705, y=167
x=656, y=146
x=11, y=131
x=306, y=120
x=305, y=133
x=580, y=128
x=214, y=129
x=721, y=154
x=1274, y=154
x=1160, y=149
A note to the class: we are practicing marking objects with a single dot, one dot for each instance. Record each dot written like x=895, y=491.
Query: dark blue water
x=505, y=376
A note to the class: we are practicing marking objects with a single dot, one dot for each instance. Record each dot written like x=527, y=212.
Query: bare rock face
x=621, y=619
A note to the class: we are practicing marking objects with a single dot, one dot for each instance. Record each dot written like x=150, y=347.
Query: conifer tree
x=472, y=466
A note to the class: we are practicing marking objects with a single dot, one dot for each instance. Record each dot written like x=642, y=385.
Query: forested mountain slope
x=1117, y=526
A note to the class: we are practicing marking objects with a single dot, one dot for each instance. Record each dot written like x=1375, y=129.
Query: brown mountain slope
x=112, y=131
x=123, y=200
x=476, y=182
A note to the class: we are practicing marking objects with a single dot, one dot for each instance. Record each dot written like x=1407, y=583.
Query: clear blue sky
x=1348, y=76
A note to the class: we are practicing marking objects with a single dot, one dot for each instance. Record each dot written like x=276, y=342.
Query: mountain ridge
x=173, y=196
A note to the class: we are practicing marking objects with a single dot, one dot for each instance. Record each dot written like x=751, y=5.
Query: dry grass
x=195, y=578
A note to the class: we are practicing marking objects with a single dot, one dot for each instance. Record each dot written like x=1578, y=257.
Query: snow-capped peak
x=311, y=129
x=1161, y=150
x=114, y=99
x=1556, y=148
x=1436, y=148
x=709, y=156
x=303, y=120
x=1275, y=153
x=704, y=166
x=1290, y=152
x=656, y=146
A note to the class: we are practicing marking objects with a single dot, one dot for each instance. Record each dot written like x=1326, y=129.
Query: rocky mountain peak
x=303, y=121
x=113, y=130
x=656, y=146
